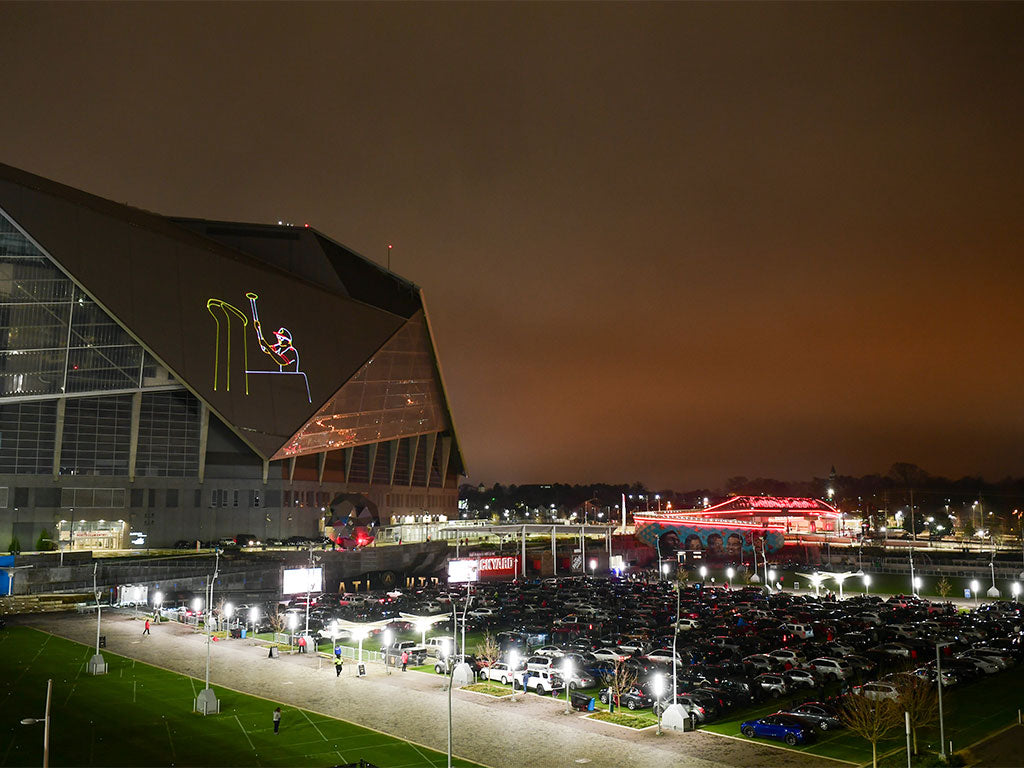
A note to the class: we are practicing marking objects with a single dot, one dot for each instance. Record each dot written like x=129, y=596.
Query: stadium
x=167, y=379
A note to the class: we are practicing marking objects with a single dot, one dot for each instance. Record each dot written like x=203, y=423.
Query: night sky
x=666, y=243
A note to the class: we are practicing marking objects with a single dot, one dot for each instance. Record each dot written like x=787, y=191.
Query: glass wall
x=53, y=339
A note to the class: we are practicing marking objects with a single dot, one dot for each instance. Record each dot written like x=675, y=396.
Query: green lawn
x=141, y=715
x=972, y=712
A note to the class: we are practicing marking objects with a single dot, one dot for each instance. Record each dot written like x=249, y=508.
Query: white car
x=997, y=657
x=541, y=682
x=437, y=646
x=541, y=663
x=552, y=651
x=836, y=668
x=877, y=690
x=665, y=654
x=499, y=673
x=684, y=625
x=482, y=613
x=609, y=654
x=795, y=658
x=988, y=666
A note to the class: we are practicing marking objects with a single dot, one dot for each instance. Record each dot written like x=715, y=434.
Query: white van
x=803, y=631
x=437, y=645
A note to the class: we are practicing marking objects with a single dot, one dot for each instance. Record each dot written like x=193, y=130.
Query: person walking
x=337, y=666
x=277, y=719
x=146, y=630
x=302, y=643
x=405, y=660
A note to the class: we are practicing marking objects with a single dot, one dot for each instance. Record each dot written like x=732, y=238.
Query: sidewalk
x=532, y=731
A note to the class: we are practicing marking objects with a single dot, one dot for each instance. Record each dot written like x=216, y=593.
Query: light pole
x=292, y=621
x=975, y=586
x=254, y=615
x=729, y=573
x=658, y=688
x=917, y=585
x=158, y=599
x=207, y=700
x=913, y=589
x=593, y=568
x=45, y=720
x=703, y=572
x=942, y=721
x=97, y=666
x=388, y=634
x=1015, y=589
x=229, y=609
x=867, y=584
x=566, y=675
x=513, y=664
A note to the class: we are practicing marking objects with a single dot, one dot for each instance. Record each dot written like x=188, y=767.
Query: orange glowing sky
x=659, y=242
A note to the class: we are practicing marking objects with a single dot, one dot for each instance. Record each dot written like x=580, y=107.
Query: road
x=499, y=733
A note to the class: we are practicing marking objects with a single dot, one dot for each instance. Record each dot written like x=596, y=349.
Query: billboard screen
x=298, y=580
x=463, y=571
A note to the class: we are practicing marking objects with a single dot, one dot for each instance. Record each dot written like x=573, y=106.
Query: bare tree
x=871, y=719
x=620, y=678
x=489, y=650
x=276, y=619
x=920, y=700
x=944, y=587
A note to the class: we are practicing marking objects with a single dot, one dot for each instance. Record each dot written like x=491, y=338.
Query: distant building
x=171, y=379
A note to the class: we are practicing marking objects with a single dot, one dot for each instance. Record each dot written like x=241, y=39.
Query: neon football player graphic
x=282, y=352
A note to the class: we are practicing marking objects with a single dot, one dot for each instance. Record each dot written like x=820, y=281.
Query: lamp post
x=45, y=720
x=917, y=585
x=867, y=584
x=703, y=572
x=388, y=635
x=566, y=674
x=975, y=586
x=254, y=615
x=942, y=721
x=658, y=688
x=729, y=573
x=229, y=611
x=292, y=621
x=513, y=662
x=593, y=568
x=1015, y=589
x=207, y=700
x=97, y=666
x=158, y=599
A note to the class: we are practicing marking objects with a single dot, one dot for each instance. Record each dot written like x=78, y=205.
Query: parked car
x=787, y=728
x=499, y=672
x=877, y=691
x=546, y=681
x=775, y=685
x=438, y=646
x=821, y=715
x=633, y=698
x=830, y=667
x=800, y=678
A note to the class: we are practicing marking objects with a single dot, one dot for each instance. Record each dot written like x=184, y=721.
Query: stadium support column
x=204, y=433
x=321, y=462
x=554, y=554
x=523, y=567
x=133, y=440
x=58, y=436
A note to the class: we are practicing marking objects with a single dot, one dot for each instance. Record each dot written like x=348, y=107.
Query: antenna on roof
x=389, y=257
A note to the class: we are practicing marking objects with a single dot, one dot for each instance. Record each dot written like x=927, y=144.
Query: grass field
x=141, y=715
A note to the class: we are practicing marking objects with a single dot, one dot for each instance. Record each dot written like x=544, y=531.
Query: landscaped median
x=626, y=720
x=491, y=689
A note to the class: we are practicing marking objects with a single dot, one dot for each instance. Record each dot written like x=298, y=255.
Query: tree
x=44, y=542
x=15, y=546
x=276, y=619
x=919, y=699
x=621, y=677
x=489, y=650
x=944, y=587
x=870, y=719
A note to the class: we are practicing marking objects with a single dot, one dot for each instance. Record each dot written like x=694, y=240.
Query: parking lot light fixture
x=664, y=569
x=729, y=573
x=593, y=568
x=197, y=605
x=158, y=600
x=975, y=586
x=45, y=720
x=658, y=688
x=703, y=572
x=388, y=636
x=293, y=620
x=254, y=616
x=1015, y=589
x=917, y=584
x=513, y=663
x=566, y=675
x=229, y=611
x=867, y=584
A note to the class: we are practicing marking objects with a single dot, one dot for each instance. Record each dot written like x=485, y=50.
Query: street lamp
x=566, y=674
x=867, y=584
x=45, y=720
x=664, y=569
x=513, y=663
x=254, y=615
x=771, y=578
x=942, y=722
x=593, y=568
x=388, y=636
x=658, y=688
x=1015, y=589
x=703, y=572
x=729, y=573
x=293, y=621
x=975, y=586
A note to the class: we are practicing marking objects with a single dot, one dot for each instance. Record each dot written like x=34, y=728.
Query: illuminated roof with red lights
x=748, y=507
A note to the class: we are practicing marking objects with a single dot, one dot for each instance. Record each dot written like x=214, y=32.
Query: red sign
x=498, y=567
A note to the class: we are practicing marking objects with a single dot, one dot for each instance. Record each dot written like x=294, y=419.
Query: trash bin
x=581, y=702
x=103, y=641
x=241, y=633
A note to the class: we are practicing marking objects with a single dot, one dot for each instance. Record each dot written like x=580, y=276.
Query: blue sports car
x=782, y=727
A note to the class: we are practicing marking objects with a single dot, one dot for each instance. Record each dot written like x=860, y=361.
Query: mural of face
x=669, y=542
x=715, y=544
x=734, y=545
x=694, y=543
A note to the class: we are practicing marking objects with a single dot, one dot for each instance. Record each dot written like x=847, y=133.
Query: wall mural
x=714, y=542
x=282, y=352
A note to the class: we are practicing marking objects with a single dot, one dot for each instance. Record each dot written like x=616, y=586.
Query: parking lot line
x=763, y=743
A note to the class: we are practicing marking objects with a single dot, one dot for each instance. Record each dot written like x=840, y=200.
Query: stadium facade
x=166, y=379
